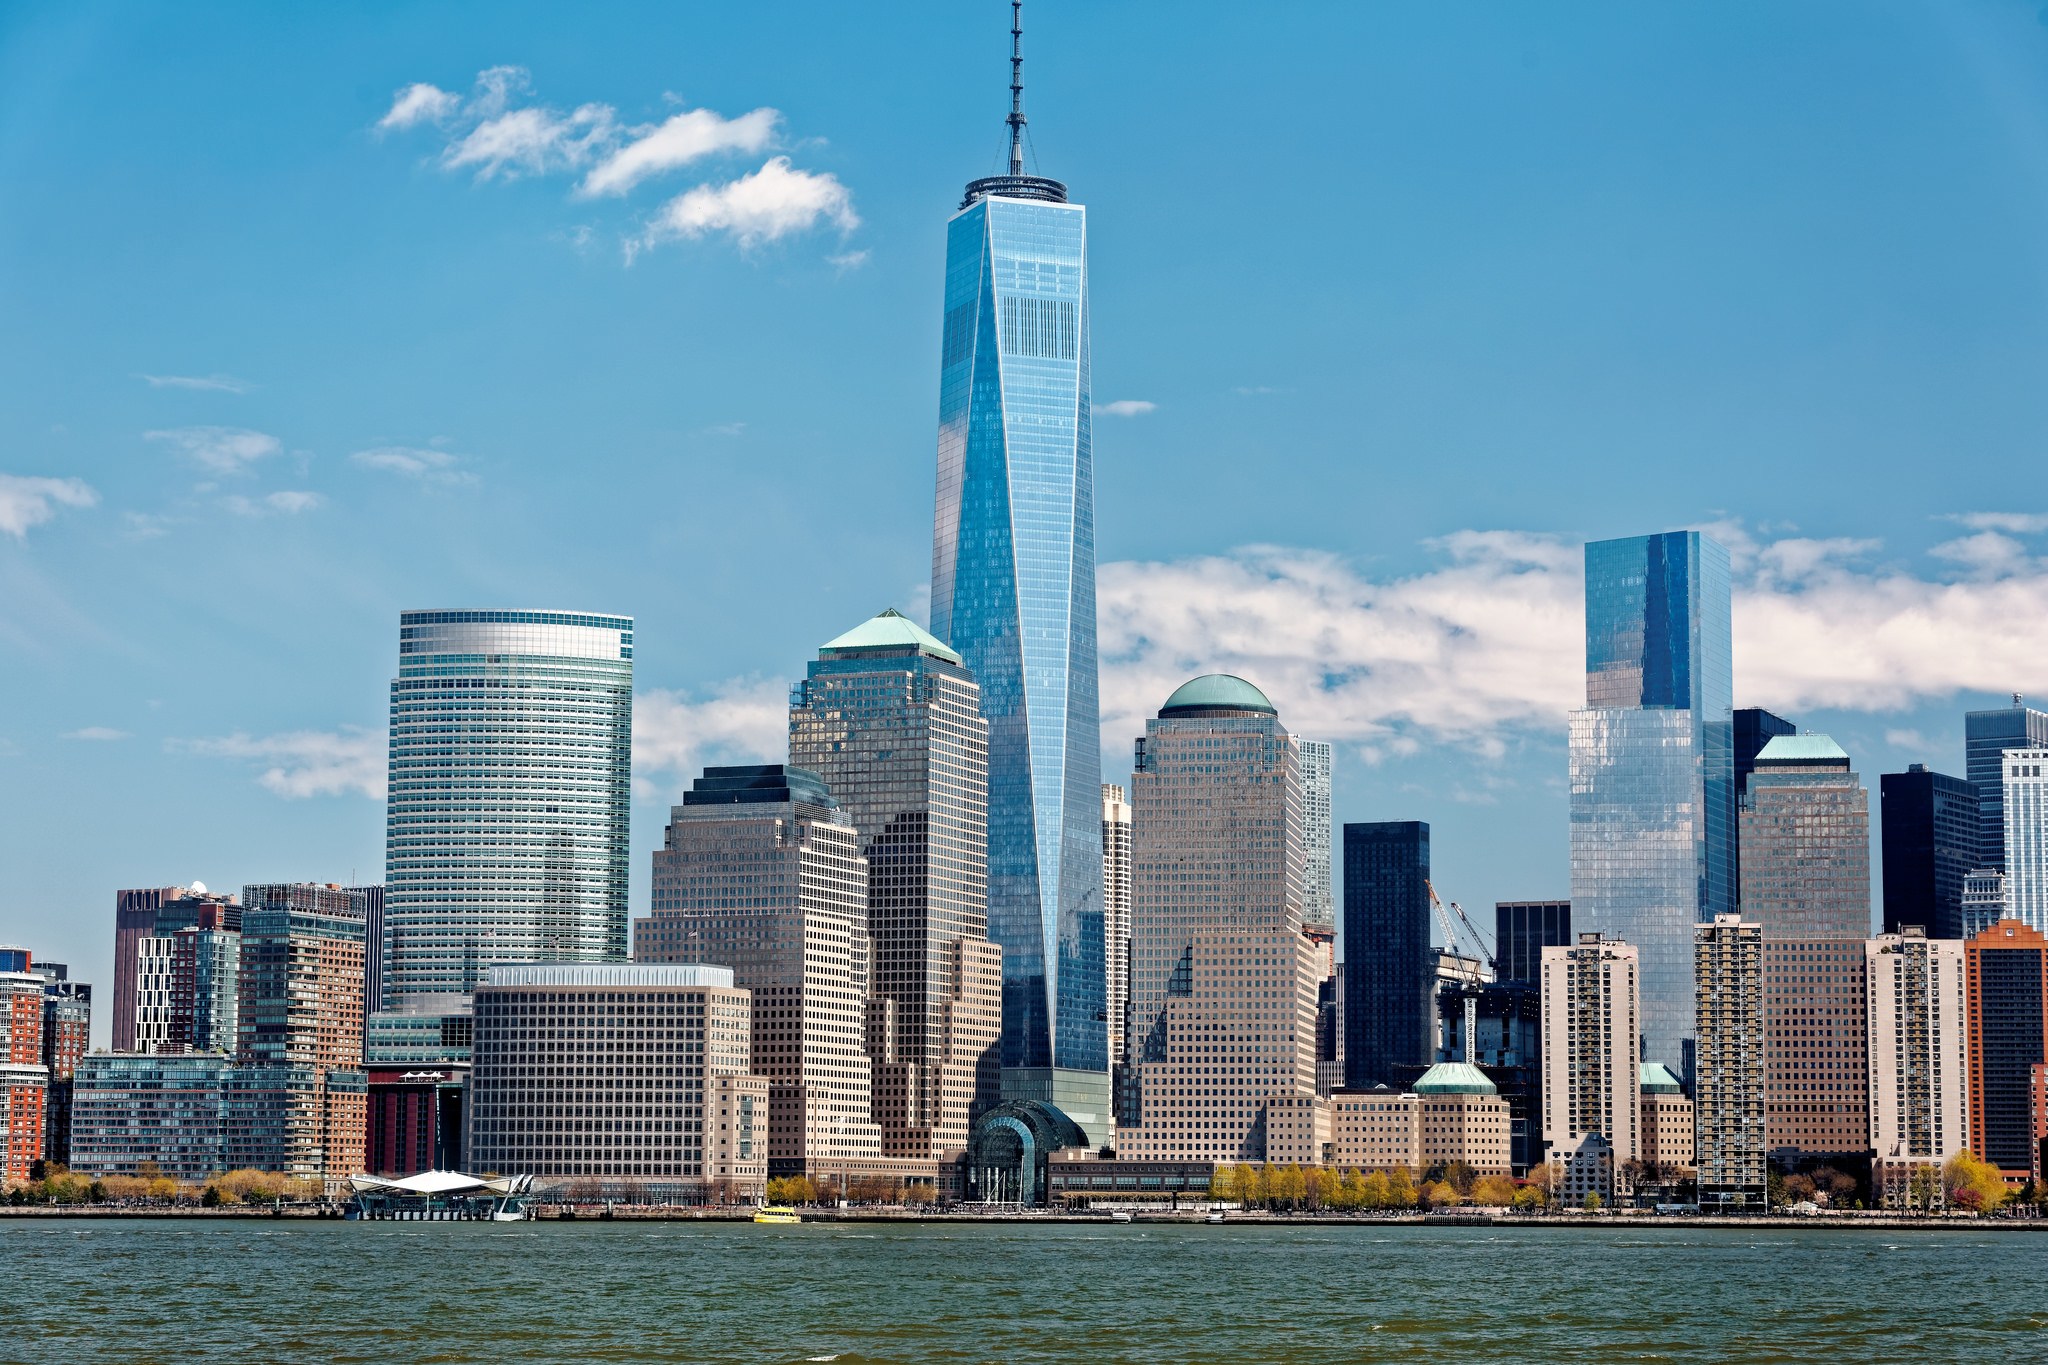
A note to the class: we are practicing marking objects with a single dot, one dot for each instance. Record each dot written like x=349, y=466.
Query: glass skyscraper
x=1652, y=775
x=506, y=827
x=1013, y=590
x=1986, y=737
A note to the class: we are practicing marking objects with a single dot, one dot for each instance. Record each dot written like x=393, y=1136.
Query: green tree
x=1223, y=1184
x=1969, y=1182
x=1494, y=1191
x=1376, y=1191
x=1593, y=1202
x=1401, y=1192
x=1528, y=1199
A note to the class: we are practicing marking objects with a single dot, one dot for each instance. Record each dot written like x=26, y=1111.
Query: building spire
x=1016, y=119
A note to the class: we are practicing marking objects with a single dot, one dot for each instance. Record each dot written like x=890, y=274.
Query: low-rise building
x=1079, y=1176
x=1668, y=1136
x=622, y=1072
x=1454, y=1115
x=130, y=1108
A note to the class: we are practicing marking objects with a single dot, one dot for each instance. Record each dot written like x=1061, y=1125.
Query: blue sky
x=1401, y=304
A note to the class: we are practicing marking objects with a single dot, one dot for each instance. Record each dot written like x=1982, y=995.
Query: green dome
x=890, y=633
x=1455, y=1078
x=1655, y=1078
x=1213, y=693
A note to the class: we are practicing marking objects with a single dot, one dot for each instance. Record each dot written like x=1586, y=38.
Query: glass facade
x=1929, y=849
x=1986, y=737
x=1389, y=970
x=1013, y=590
x=1652, y=773
x=507, y=824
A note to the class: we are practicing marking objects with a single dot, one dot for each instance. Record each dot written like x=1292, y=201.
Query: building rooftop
x=1799, y=749
x=1455, y=1078
x=759, y=784
x=1215, y=693
x=889, y=633
x=628, y=975
x=1654, y=1078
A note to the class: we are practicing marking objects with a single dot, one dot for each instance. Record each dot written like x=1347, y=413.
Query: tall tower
x=511, y=769
x=1318, y=771
x=1652, y=771
x=1986, y=737
x=1013, y=587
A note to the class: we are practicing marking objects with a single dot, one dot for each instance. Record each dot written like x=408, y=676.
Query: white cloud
x=769, y=204
x=419, y=103
x=1988, y=553
x=27, y=501
x=848, y=260
x=288, y=502
x=681, y=139
x=224, y=450
x=1127, y=407
x=1490, y=644
x=743, y=720
x=97, y=732
x=213, y=383
x=2016, y=523
x=532, y=141
x=305, y=763
x=416, y=462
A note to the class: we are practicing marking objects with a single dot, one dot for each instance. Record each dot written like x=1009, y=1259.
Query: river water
x=178, y=1289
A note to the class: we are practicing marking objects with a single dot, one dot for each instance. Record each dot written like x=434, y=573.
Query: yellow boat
x=776, y=1213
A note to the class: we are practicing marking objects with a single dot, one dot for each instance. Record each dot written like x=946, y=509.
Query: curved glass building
x=507, y=821
x=1013, y=590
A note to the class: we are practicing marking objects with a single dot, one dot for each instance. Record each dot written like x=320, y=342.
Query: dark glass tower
x=1652, y=771
x=1013, y=589
x=1986, y=737
x=1929, y=829
x=1522, y=930
x=1389, y=971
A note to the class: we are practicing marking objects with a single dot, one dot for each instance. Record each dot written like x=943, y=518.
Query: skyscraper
x=1389, y=970
x=24, y=1079
x=2006, y=1007
x=1929, y=848
x=1806, y=881
x=1522, y=930
x=760, y=871
x=1116, y=914
x=1652, y=775
x=67, y=1033
x=1754, y=728
x=1986, y=737
x=1013, y=588
x=1592, y=1091
x=1919, y=1083
x=2025, y=785
x=154, y=912
x=506, y=829
x=892, y=723
x=1318, y=787
x=1728, y=1106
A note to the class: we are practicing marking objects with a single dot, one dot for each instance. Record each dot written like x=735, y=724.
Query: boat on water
x=776, y=1213
x=1119, y=1217
x=1215, y=1217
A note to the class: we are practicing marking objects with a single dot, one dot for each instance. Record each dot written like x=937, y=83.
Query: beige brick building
x=1454, y=1114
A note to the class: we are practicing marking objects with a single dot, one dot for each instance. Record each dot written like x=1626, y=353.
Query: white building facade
x=1919, y=1072
x=1592, y=1103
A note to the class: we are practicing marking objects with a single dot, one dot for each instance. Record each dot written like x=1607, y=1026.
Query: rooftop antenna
x=1016, y=119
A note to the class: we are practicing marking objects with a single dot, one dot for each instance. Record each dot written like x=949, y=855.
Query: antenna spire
x=1016, y=119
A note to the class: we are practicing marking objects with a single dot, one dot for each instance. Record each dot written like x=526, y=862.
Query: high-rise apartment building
x=1986, y=737
x=1116, y=914
x=1806, y=881
x=1226, y=972
x=129, y=1108
x=2025, y=788
x=155, y=913
x=891, y=722
x=187, y=979
x=24, y=1079
x=1013, y=589
x=1592, y=1097
x=1389, y=968
x=67, y=1033
x=624, y=1073
x=297, y=1103
x=1919, y=1080
x=2006, y=1000
x=1929, y=842
x=1318, y=792
x=1652, y=774
x=1728, y=1093
x=506, y=827
x=760, y=871
x=1522, y=930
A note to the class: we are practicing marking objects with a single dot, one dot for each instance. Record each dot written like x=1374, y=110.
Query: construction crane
x=1451, y=939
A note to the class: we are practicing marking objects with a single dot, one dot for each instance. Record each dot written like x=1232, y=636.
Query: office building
x=1592, y=1097
x=1919, y=1077
x=760, y=871
x=156, y=912
x=1652, y=774
x=2006, y=1000
x=1013, y=590
x=891, y=722
x=1522, y=930
x=1806, y=882
x=1225, y=974
x=129, y=1108
x=510, y=787
x=1454, y=1113
x=1754, y=727
x=187, y=979
x=297, y=1104
x=67, y=1033
x=1668, y=1121
x=1318, y=791
x=1116, y=915
x=373, y=945
x=24, y=1079
x=2025, y=775
x=1929, y=824
x=1986, y=737
x=415, y=1120
x=1389, y=967
x=629, y=1073
x=1728, y=1093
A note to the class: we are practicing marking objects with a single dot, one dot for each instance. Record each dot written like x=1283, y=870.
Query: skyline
x=1425, y=603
